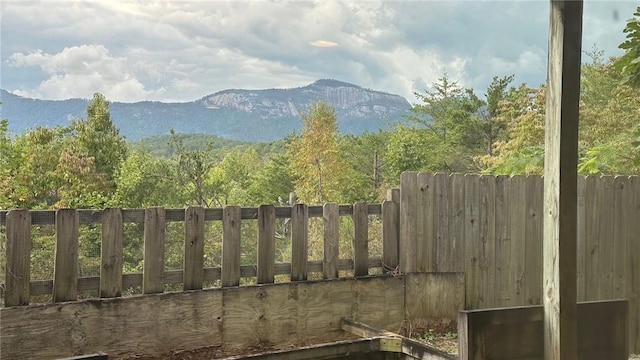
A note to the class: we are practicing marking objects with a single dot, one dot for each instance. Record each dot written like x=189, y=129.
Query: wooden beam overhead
x=560, y=180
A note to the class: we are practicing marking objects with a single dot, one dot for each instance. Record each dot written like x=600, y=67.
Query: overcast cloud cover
x=183, y=50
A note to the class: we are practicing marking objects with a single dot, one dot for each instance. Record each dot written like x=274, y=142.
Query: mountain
x=248, y=115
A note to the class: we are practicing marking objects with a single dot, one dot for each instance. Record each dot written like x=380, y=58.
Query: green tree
x=271, y=183
x=629, y=63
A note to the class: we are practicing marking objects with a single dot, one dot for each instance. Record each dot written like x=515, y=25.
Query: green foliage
x=629, y=64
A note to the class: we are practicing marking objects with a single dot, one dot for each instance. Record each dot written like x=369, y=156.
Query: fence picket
x=408, y=218
x=65, y=274
x=390, y=235
x=503, y=287
x=331, y=223
x=111, y=253
x=621, y=209
x=230, y=272
x=472, y=240
x=517, y=226
x=456, y=223
x=18, y=275
x=299, y=241
x=154, y=236
x=193, y=266
x=424, y=223
x=533, y=241
x=442, y=256
x=266, y=244
x=360, y=240
x=487, y=241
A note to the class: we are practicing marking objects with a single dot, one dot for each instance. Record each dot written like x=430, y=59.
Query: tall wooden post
x=560, y=180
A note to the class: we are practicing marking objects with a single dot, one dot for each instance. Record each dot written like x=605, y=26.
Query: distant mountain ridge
x=247, y=115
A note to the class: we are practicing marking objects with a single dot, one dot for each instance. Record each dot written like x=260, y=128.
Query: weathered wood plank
x=266, y=243
x=390, y=234
x=65, y=274
x=503, y=261
x=605, y=238
x=360, y=240
x=441, y=216
x=424, y=223
x=593, y=205
x=518, y=332
x=193, y=275
x=408, y=218
x=331, y=224
x=560, y=179
x=487, y=242
x=421, y=303
x=377, y=301
x=299, y=241
x=633, y=265
x=456, y=223
x=517, y=228
x=111, y=253
x=154, y=236
x=472, y=259
x=581, y=245
x=231, y=249
x=533, y=241
x=621, y=209
x=18, y=267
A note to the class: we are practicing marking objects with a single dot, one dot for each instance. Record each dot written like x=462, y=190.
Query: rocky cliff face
x=248, y=115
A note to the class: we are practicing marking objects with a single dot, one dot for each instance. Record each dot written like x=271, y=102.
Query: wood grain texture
x=18, y=267
x=425, y=222
x=111, y=253
x=487, y=242
x=517, y=228
x=533, y=239
x=331, y=231
x=633, y=266
x=441, y=215
x=193, y=275
x=65, y=274
x=408, y=218
x=299, y=241
x=503, y=261
x=360, y=240
x=472, y=259
x=154, y=236
x=420, y=299
x=560, y=179
x=231, y=249
x=457, y=223
x=266, y=243
x=390, y=235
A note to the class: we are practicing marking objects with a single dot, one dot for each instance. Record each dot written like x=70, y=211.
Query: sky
x=177, y=51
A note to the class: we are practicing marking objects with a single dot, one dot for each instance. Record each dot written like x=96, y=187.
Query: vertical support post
x=331, y=220
x=390, y=231
x=266, y=244
x=299, y=241
x=153, y=266
x=560, y=180
x=360, y=240
x=111, y=253
x=193, y=266
x=18, y=269
x=65, y=274
x=231, y=248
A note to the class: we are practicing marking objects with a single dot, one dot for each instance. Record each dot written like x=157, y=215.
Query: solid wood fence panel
x=622, y=204
x=424, y=223
x=517, y=225
x=18, y=273
x=111, y=253
x=65, y=274
x=487, y=241
x=533, y=241
x=408, y=218
x=390, y=235
x=503, y=261
x=360, y=240
x=193, y=275
x=266, y=244
x=231, y=249
x=441, y=215
x=154, y=236
x=456, y=224
x=299, y=241
x=331, y=223
x=581, y=235
x=633, y=265
x=472, y=264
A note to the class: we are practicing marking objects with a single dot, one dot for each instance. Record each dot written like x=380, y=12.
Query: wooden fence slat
x=65, y=274
x=487, y=244
x=408, y=218
x=231, y=248
x=605, y=238
x=633, y=265
x=390, y=235
x=18, y=273
x=441, y=216
x=193, y=267
x=581, y=244
x=331, y=225
x=517, y=226
x=266, y=244
x=533, y=241
x=425, y=223
x=299, y=241
x=154, y=237
x=360, y=240
x=592, y=250
x=621, y=209
x=456, y=224
x=472, y=241
x=111, y=253
x=503, y=261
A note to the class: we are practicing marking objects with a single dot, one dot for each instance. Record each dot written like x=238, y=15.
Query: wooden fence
x=66, y=284
x=490, y=227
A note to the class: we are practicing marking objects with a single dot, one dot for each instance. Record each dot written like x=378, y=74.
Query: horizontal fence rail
x=66, y=284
